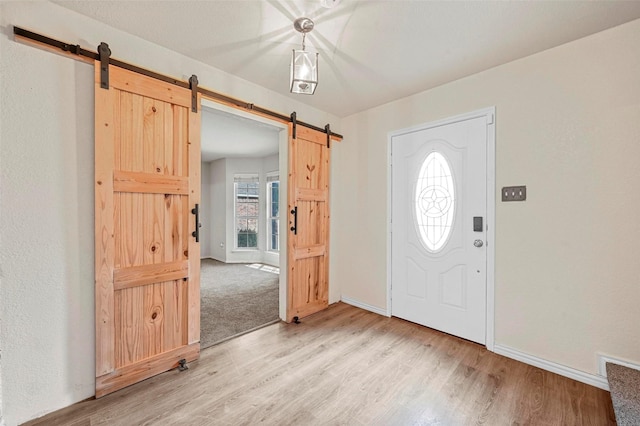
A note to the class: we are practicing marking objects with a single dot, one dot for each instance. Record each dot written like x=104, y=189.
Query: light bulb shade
x=304, y=72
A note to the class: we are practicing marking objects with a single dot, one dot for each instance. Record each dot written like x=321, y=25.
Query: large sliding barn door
x=308, y=242
x=147, y=161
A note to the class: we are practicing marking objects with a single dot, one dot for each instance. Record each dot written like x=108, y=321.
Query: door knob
x=478, y=243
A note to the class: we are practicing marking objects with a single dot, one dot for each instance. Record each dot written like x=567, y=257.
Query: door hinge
x=490, y=119
x=103, y=54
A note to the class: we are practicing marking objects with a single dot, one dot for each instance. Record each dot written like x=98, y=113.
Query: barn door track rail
x=103, y=54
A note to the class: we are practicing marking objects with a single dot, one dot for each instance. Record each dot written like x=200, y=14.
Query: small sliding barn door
x=147, y=262
x=308, y=242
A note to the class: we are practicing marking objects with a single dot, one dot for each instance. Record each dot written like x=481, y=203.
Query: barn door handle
x=294, y=228
x=196, y=212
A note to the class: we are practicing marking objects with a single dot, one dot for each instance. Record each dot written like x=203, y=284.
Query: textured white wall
x=46, y=188
x=1, y=274
x=568, y=126
x=46, y=199
x=270, y=164
x=218, y=210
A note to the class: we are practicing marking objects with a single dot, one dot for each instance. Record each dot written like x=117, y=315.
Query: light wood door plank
x=150, y=183
x=175, y=328
x=148, y=134
x=311, y=135
x=129, y=375
x=129, y=346
x=310, y=251
x=169, y=333
x=167, y=130
x=129, y=81
x=135, y=149
x=193, y=143
x=124, y=161
x=148, y=274
x=104, y=229
x=180, y=133
x=153, y=313
x=174, y=229
x=158, y=133
x=150, y=221
x=135, y=233
x=307, y=194
x=159, y=237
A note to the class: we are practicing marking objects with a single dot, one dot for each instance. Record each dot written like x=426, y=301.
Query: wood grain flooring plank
x=346, y=366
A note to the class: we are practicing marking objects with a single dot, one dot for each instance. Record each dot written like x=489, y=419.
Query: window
x=247, y=202
x=435, y=201
x=273, y=212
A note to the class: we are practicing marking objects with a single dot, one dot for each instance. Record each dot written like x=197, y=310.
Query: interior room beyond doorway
x=240, y=235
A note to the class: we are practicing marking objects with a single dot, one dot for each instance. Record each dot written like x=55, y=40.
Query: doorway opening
x=244, y=170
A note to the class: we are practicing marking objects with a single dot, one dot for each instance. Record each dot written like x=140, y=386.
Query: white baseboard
x=590, y=379
x=599, y=381
x=365, y=306
x=603, y=359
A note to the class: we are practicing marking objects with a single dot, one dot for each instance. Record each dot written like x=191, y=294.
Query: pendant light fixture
x=304, y=65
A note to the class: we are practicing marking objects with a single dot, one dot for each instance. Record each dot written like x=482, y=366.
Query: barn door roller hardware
x=327, y=129
x=104, y=53
x=294, y=120
x=39, y=39
x=193, y=85
x=182, y=365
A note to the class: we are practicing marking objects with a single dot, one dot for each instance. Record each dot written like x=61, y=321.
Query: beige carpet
x=235, y=299
x=624, y=383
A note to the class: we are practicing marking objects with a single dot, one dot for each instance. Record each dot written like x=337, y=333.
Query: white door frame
x=490, y=114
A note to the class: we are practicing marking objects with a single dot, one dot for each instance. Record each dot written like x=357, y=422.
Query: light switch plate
x=514, y=193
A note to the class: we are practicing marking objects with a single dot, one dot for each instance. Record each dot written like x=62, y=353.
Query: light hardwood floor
x=352, y=367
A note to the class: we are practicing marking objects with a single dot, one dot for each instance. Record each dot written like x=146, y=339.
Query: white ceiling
x=371, y=51
x=226, y=135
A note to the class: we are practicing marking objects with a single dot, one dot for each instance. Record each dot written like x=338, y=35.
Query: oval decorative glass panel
x=435, y=201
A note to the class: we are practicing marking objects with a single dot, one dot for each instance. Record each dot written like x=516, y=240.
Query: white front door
x=439, y=216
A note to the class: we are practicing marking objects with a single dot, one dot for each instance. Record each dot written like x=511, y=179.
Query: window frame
x=273, y=177
x=248, y=178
